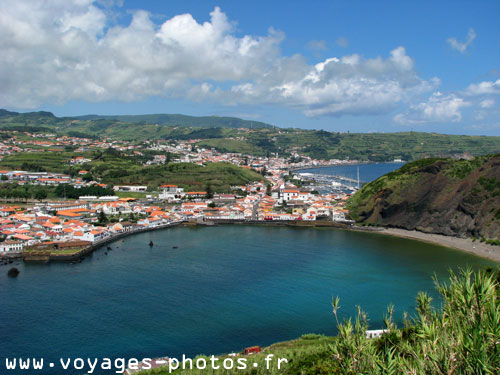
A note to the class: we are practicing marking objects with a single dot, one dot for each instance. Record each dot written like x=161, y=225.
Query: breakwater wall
x=45, y=256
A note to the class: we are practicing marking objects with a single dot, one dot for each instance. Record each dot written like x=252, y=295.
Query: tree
x=103, y=219
x=40, y=194
x=268, y=190
x=209, y=191
x=4, y=178
x=87, y=177
x=211, y=205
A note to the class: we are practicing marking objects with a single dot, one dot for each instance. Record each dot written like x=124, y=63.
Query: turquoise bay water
x=223, y=289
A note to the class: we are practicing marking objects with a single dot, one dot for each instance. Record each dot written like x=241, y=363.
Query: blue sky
x=361, y=66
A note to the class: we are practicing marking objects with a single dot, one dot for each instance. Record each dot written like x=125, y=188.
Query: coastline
x=477, y=248
x=346, y=164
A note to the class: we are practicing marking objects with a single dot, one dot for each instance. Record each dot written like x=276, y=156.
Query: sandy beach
x=465, y=244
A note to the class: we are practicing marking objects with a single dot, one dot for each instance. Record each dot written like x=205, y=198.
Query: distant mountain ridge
x=160, y=119
x=443, y=196
x=183, y=120
x=230, y=134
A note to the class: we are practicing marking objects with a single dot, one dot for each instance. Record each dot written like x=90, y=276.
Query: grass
x=131, y=194
x=192, y=177
x=65, y=252
x=300, y=353
x=37, y=161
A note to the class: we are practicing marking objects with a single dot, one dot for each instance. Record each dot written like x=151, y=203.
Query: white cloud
x=480, y=97
x=438, y=108
x=339, y=86
x=483, y=88
x=63, y=51
x=462, y=47
x=487, y=103
x=71, y=50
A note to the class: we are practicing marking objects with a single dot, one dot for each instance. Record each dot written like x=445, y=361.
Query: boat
x=13, y=272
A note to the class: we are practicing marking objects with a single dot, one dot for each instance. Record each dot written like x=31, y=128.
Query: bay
x=224, y=288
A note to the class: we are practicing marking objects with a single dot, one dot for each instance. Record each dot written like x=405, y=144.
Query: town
x=37, y=228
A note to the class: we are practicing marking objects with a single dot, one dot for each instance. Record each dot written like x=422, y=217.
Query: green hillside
x=114, y=167
x=235, y=135
x=444, y=196
x=182, y=120
x=218, y=177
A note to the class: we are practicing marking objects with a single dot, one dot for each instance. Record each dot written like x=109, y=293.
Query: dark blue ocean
x=224, y=288
x=367, y=172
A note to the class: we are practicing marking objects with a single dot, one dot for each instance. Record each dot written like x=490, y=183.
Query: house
x=196, y=194
x=290, y=194
x=171, y=189
x=131, y=188
x=171, y=192
x=252, y=350
x=338, y=215
x=127, y=226
x=73, y=214
x=11, y=247
x=93, y=235
x=375, y=333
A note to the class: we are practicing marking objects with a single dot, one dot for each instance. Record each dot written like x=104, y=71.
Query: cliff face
x=444, y=196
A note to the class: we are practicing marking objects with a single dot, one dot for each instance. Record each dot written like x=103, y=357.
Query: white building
x=290, y=194
x=131, y=188
x=171, y=193
x=11, y=247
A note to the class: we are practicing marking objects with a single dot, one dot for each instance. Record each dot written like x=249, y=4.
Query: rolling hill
x=229, y=134
x=182, y=120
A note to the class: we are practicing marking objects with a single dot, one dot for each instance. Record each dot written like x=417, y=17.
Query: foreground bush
x=462, y=338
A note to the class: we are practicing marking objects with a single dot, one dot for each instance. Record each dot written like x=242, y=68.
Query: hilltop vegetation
x=115, y=168
x=444, y=196
x=217, y=177
x=460, y=339
x=236, y=135
x=182, y=120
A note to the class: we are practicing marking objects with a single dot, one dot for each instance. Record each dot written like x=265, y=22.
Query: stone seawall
x=45, y=256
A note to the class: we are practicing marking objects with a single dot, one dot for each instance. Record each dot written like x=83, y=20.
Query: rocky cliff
x=444, y=196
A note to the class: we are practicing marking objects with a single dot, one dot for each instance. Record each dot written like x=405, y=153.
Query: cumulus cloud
x=483, y=88
x=462, y=46
x=487, y=103
x=48, y=58
x=71, y=50
x=438, y=108
x=447, y=108
x=339, y=86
